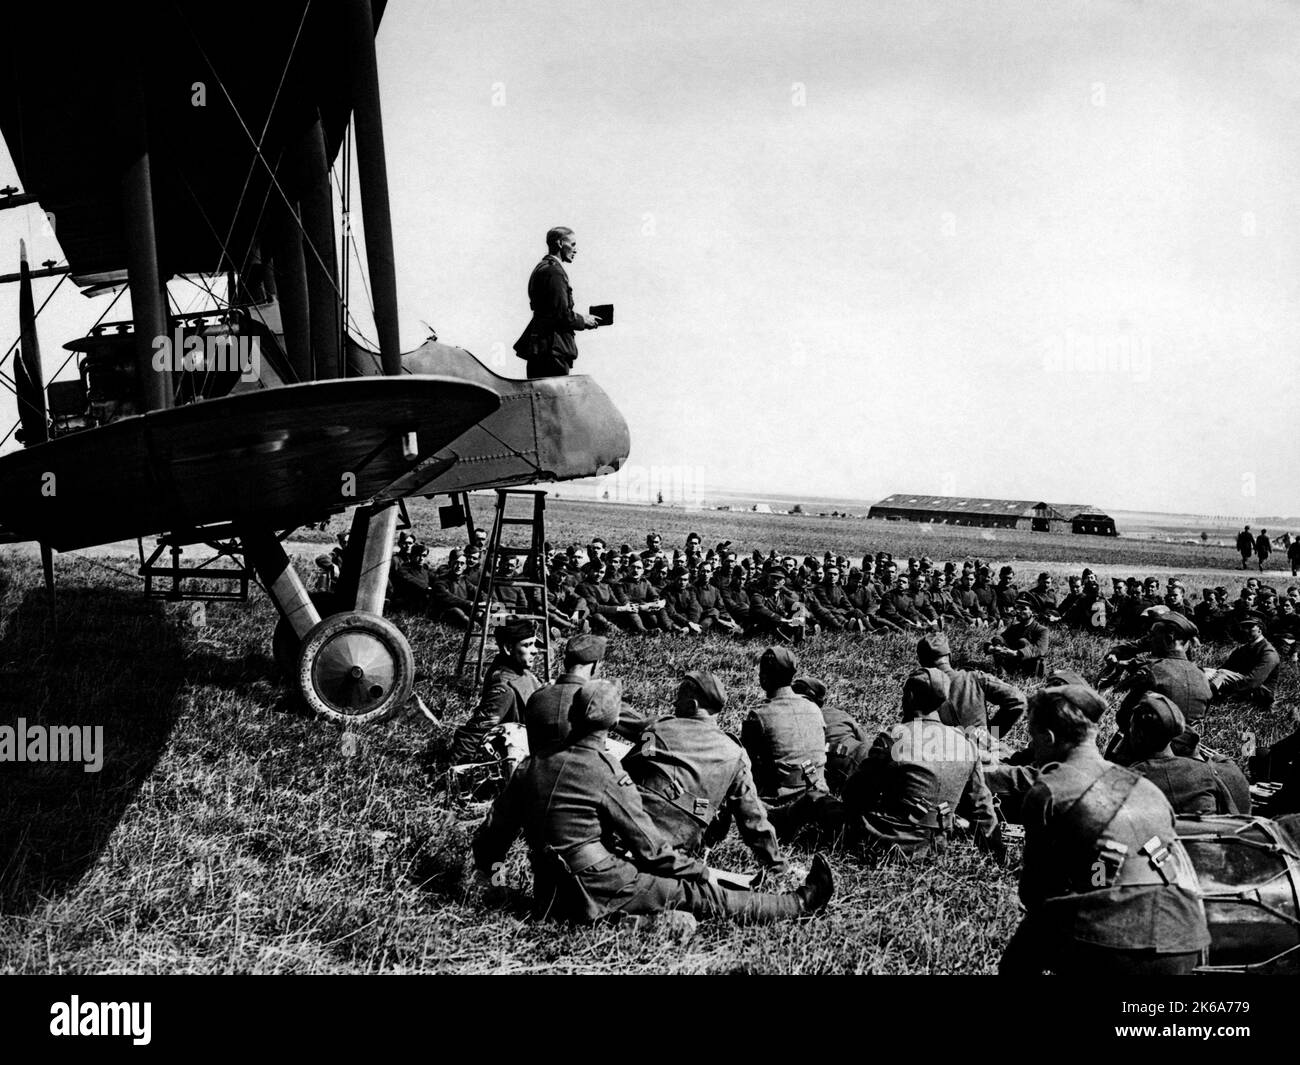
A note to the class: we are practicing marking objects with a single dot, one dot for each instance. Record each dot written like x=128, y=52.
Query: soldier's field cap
x=932, y=648
x=1154, y=721
x=1183, y=628
x=514, y=631
x=1133, y=581
x=1059, y=678
x=779, y=660
x=585, y=649
x=595, y=706
x=1252, y=617
x=774, y=567
x=1083, y=698
x=810, y=688
x=710, y=692
x=925, y=690
x=1024, y=600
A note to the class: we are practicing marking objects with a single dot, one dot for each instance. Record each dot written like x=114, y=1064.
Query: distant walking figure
x=1245, y=544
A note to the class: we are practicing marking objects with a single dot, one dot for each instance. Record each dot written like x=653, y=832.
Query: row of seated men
x=609, y=838
x=717, y=590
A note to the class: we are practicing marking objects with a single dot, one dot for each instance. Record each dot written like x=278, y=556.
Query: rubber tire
x=379, y=629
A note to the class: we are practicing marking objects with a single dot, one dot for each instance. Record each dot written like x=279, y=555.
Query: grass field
x=228, y=832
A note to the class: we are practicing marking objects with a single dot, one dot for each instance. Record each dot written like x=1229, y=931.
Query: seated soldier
x=1191, y=785
x=695, y=779
x=1161, y=665
x=594, y=851
x=644, y=599
x=969, y=609
x=1043, y=593
x=910, y=784
x=1107, y=887
x=843, y=734
x=680, y=605
x=923, y=602
x=1090, y=611
x=899, y=609
x=865, y=596
x=987, y=595
x=786, y=742
x=776, y=611
x=971, y=693
x=1249, y=670
x=828, y=604
x=1073, y=595
x=1284, y=633
x=605, y=600
x=1007, y=592
x=507, y=686
x=713, y=615
x=1021, y=650
x=547, y=712
x=451, y=599
x=408, y=580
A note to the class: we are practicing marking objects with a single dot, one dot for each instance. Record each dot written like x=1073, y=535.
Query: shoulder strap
x=1093, y=811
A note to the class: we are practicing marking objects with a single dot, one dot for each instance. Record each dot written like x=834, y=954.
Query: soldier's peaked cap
x=1181, y=627
x=514, y=631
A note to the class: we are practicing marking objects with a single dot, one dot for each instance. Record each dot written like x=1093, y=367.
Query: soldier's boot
x=819, y=886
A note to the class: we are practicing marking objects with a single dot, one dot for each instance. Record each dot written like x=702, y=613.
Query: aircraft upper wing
x=216, y=79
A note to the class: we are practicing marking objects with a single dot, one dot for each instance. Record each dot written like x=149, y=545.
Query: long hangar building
x=1028, y=514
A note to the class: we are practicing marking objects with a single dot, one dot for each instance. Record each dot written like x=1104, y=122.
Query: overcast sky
x=1006, y=249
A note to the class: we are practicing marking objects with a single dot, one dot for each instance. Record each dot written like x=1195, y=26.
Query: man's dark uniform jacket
x=506, y=691
x=694, y=778
x=1173, y=676
x=593, y=849
x=1257, y=663
x=1079, y=895
x=547, y=343
x=1190, y=785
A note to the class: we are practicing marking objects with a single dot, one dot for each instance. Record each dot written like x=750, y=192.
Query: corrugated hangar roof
x=1019, y=508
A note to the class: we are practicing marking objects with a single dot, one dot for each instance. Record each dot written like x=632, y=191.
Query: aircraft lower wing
x=277, y=457
x=548, y=429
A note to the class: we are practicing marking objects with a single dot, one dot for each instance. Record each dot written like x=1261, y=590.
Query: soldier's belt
x=583, y=856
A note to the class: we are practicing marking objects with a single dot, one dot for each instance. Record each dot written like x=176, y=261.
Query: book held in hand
x=603, y=312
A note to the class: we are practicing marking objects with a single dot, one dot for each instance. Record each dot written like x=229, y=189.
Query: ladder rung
x=503, y=550
x=519, y=584
x=518, y=521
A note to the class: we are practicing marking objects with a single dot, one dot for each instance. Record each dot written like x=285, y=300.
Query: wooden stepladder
x=490, y=579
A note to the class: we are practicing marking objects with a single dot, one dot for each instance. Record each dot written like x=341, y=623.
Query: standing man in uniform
x=1245, y=546
x=547, y=343
x=1107, y=887
x=1263, y=548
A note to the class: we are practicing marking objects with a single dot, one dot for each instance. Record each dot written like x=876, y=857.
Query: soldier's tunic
x=1257, y=662
x=843, y=737
x=506, y=691
x=786, y=742
x=711, y=607
x=1190, y=785
x=640, y=592
x=409, y=585
x=577, y=808
x=452, y=599
x=694, y=779
x=1082, y=916
x=910, y=784
x=1030, y=641
x=776, y=613
x=1173, y=676
x=604, y=599
x=971, y=693
x=988, y=600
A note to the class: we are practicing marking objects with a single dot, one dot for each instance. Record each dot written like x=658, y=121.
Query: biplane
x=198, y=140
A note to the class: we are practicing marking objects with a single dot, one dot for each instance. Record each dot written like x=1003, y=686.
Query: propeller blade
x=29, y=381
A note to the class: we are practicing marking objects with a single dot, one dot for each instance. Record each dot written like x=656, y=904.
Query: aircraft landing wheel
x=356, y=668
